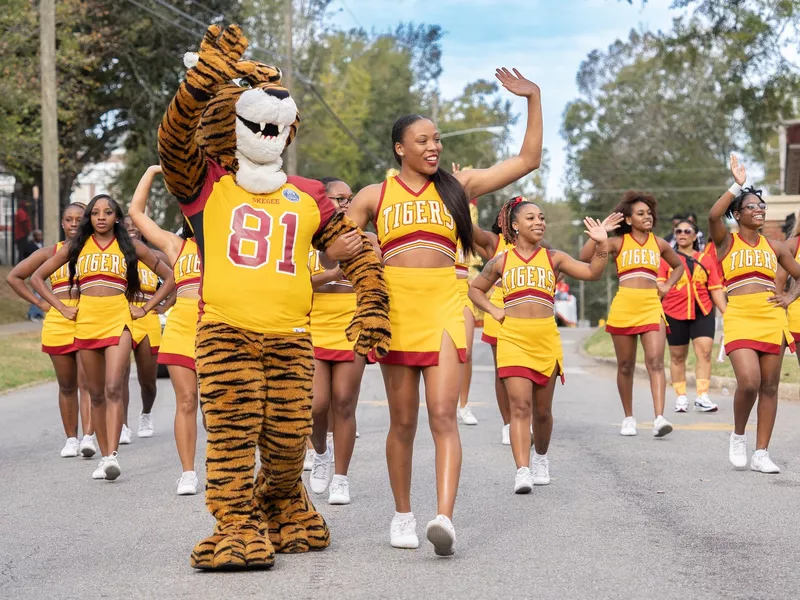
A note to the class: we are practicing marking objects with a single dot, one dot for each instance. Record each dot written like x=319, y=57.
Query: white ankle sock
x=339, y=479
x=405, y=517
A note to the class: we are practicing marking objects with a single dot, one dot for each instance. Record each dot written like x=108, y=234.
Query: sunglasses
x=686, y=231
x=755, y=205
x=342, y=201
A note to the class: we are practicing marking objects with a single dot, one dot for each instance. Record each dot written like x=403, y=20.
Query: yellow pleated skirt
x=491, y=328
x=463, y=291
x=530, y=348
x=331, y=314
x=750, y=321
x=101, y=321
x=794, y=319
x=423, y=305
x=635, y=311
x=58, y=333
x=177, y=342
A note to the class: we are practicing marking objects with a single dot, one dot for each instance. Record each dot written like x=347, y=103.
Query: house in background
x=782, y=208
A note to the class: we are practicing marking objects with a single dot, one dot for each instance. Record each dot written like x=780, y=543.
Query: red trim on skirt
x=334, y=355
x=764, y=347
x=633, y=330
x=418, y=359
x=179, y=360
x=796, y=336
x=492, y=341
x=526, y=373
x=98, y=344
x=59, y=350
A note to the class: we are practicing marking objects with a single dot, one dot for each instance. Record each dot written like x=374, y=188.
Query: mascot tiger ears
x=242, y=97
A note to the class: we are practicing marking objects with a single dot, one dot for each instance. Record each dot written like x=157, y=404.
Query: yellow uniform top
x=638, y=260
x=744, y=264
x=187, y=268
x=98, y=265
x=531, y=280
x=59, y=281
x=148, y=282
x=315, y=266
x=406, y=220
x=253, y=251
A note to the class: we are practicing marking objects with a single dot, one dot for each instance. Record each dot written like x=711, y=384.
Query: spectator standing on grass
x=22, y=229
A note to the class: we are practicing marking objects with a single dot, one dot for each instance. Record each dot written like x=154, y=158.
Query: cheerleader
x=337, y=368
x=793, y=312
x=176, y=349
x=689, y=307
x=756, y=329
x=420, y=215
x=529, y=354
x=58, y=339
x=636, y=309
x=103, y=260
x=146, y=335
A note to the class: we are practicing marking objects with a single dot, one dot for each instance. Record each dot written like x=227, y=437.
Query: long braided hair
x=508, y=213
x=85, y=231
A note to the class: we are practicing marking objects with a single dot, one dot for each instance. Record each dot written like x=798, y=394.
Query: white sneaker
x=146, y=428
x=466, y=417
x=321, y=471
x=358, y=435
x=704, y=404
x=403, y=533
x=111, y=467
x=661, y=427
x=628, y=426
x=100, y=471
x=737, y=450
x=522, y=481
x=71, y=448
x=506, y=440
x=308, y=462
x=187, y=484
x=681, y=403
x=441, y=533
x=87, y=448
x=125, y=435
x=541, y=470
x=762, y=463
x=340, y=490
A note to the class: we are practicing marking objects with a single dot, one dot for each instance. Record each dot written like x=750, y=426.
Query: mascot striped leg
x=281, y=499
x=233, y=383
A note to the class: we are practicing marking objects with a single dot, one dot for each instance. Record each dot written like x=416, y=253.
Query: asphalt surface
x=622, y=518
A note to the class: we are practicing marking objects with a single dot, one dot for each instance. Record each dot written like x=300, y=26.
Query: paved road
x=623, y=517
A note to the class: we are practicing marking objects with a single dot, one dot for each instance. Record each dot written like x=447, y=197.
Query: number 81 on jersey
x=250, y=238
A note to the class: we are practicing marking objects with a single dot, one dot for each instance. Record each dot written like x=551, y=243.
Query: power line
x=214, y=14
x=351, y=13
x=300, y=77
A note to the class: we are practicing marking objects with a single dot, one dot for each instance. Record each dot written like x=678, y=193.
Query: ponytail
x=454, y=198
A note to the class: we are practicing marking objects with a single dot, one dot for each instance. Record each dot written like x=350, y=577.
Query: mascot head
x=247, y=124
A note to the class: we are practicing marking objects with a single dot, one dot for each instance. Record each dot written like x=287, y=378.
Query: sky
x=545, y=39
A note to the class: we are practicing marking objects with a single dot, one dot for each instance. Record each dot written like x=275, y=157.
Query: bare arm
x=148, y=257
x=671, y=258
x=717, y=229
x=720, y=300
x=47, y=268
x=610, y=224
x=16, y=278
x=591, y=271
x=484, y=242
x=477, y=182
x=320, y=279
x=166, y=241
x=483, y=283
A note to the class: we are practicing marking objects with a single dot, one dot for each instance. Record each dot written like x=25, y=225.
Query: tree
x=651, y=121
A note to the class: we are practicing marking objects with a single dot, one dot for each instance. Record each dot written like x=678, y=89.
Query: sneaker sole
x=406, y=546
x=523, y=489
x=112, y=473
x=187, y=493
x=441, y=540
x=70, y=455
x=338, y=501
x=765, y=472
x=665, y=430
x=681, y=410
x=124, y=443
x=541, y=482
x=147, y=434
x=628, y=433
x=701, y=409
x=88, y=452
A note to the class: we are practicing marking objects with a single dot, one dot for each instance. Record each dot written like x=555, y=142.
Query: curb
x=786, y=391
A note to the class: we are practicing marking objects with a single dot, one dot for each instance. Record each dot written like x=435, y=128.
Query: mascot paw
x=370, y=331
x=294, y=525
x=220, y=54
x=244, y=547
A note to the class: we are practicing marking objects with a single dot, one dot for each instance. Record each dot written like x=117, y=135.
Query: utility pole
x=288, y=82
x=47, y=58
x=582, y=305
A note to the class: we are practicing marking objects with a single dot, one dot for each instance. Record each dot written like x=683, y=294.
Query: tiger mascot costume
x=220, y=143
